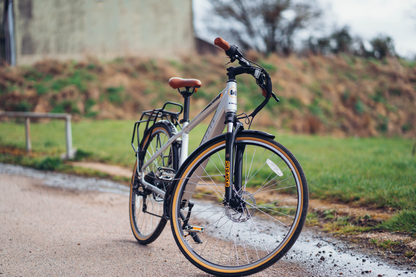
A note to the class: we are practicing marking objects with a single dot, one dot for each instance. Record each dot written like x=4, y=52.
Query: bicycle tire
x=147, y=226
x=258, y=233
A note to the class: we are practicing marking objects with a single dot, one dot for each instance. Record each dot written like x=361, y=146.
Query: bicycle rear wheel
x=235, y=240
x=146, y=207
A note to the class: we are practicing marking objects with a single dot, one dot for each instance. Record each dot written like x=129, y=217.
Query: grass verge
x=42, y=161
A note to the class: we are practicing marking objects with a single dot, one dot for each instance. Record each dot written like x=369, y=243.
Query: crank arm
x=152, y=188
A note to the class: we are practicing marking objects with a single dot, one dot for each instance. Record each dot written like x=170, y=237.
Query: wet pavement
x=66, y=181
x=319, y=255
x=330, y=257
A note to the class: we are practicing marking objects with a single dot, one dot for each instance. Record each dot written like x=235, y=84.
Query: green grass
x=370, y=171
x=403, y=221
x=378, y=172
x=107, y=141
x=386, y=244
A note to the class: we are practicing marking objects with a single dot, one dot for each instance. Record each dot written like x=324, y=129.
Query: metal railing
x=70, y=152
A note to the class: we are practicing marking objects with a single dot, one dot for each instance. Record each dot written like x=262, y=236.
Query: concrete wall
x=2, y=39
x=1, y=11
x=63, y=29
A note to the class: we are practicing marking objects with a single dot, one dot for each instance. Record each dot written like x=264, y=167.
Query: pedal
x=165, y=174
x=194, y=229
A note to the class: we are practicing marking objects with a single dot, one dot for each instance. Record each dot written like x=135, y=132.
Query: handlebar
x=222, y=43
x=231, y=51
x=259, y=73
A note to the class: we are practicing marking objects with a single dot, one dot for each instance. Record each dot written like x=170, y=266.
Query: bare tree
x=264, y=25
x=383, y=46
x=342, y=41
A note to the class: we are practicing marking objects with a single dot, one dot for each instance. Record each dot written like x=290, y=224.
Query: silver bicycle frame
x=224, y=102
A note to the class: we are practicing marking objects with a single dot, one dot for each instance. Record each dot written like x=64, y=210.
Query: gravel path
x=55, y=224
x=54, y=231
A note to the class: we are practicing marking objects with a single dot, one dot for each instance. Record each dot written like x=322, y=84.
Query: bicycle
x=238, y=203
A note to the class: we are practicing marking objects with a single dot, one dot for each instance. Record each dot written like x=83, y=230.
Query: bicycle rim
x=146, y=207
x=261, y=229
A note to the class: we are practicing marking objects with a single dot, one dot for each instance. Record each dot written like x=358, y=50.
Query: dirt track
x=64, y=232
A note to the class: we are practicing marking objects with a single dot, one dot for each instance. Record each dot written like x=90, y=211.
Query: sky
x=366, y=18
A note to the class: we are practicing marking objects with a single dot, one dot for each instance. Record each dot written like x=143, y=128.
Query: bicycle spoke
x=276, y=189
x=220, y=159
x=271, y=210
x=281, y=181
x=258, y=169
x=274, y=219
x=249, y=170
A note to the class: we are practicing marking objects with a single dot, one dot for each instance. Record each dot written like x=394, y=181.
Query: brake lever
x=275, y=97
x=243, y=62
x=231, y=61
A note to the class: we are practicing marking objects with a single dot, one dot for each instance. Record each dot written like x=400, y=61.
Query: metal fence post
x=27, y=128
x=68, y=133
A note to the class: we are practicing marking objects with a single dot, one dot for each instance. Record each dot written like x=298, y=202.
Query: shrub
x=81, y=155
x=378, y=96
x=49, y=163
x=40, y=89
x=66, y=107
x=383, y=125
x=407, y=127
x=360, y=107
x=78, y=78
x=115, y=94
x=23, y=106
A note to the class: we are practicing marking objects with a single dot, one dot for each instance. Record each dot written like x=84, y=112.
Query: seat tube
x=230, y=111
x=185, y=121
x=184, y=146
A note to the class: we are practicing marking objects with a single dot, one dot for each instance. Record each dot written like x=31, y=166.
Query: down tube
x=215, y=128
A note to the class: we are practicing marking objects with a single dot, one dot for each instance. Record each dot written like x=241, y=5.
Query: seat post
x=186, y=104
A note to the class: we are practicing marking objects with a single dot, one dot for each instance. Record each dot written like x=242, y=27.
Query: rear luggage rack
x=151, y=117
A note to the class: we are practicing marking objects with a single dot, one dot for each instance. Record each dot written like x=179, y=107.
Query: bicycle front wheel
x=146, y=207
x=244, y=238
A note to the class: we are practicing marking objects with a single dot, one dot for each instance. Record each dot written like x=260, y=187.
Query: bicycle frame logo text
x=232, y=92
x=227, y=174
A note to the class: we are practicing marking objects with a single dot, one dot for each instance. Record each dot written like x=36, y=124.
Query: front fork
x=233, y=161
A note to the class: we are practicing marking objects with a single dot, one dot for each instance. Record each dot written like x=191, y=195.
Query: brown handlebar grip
x=221, y=43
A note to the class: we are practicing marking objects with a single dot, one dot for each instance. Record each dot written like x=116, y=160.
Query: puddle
x=319, y=255
x=330, y=257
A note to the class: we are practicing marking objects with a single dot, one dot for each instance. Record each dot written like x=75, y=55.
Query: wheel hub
x=241, y=208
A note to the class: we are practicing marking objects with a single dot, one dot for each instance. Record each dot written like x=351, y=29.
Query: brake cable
x=266, y=85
